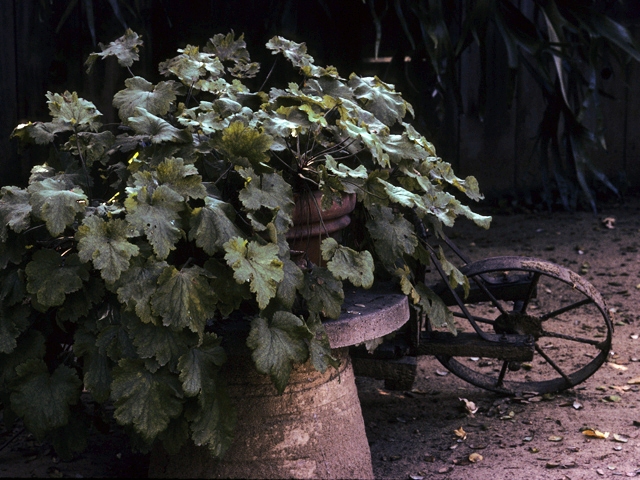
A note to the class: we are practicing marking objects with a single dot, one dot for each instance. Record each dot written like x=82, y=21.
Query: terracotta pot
x=311, y=226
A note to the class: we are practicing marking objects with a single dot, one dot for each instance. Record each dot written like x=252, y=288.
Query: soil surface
x=429, y=431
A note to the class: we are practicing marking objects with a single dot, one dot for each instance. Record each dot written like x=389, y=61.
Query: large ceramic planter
x=311, y=225
x=313, y=430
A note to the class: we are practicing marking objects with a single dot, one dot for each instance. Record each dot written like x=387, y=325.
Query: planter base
x=313, y=430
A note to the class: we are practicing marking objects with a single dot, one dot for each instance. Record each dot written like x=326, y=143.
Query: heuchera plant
x=132, y=242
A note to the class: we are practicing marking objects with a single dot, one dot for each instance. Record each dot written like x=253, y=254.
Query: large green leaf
x=291, y=283
x=228, y=48
x=277, y=344
x=323, y=292
x=230, y=294
x=164, y=344
x=106, y=244
x=200, y=365
x=81, y=303
x=93, y=147
x=41, y=398
x=192, y=64
x=393, y=235
x=50, y=276
x=297, y=54
x=71, y=439
x=256, y=264
x=213, y=225
x=138, y=284
x=214, y=423
x=155, y=99
x=180, y=177
x=125, y=49
x=380, y=98
x=13, y=321
x=158, y=216
x=156, y=129
x=57, y=203
x=15, y=210
x=435, y=309
x=244, y=146
x=12, y=286
x=96, y=367
x=347, y=264
x=145, y=400
x=184, y=298
x=31, y=345
x=268, y=190
x=39, y=132
x=72, y=112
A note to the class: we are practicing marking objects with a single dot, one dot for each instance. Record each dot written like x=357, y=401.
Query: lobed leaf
x=41, y=398
x=184, y=298
x=57, y=203
x=138, y=284
x=214, y=423
x=157, y=215
x=13, y=322
x=15, y=210
x=166, y=345
x=156, y=129
x=155, y=99
x=145, y=400
x=191, y=65
x=323, y=293
x=72, y=113
x=393, y=234
x=50, y=276
x=96, y=367
x=106, y=244
x=347, y=264
x=125, y=49
x=277, y=344
x=256, y=264
x=244, y=146
x=200, y=365
x=213, y=225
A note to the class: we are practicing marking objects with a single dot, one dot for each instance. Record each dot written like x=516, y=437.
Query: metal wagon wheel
x=563, y=312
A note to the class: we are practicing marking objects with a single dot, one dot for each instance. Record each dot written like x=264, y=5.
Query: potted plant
x=132, y=244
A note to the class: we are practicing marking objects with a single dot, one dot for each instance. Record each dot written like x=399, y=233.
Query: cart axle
x=518, y=348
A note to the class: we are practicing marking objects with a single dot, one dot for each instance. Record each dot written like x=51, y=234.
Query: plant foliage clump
x=132, y=246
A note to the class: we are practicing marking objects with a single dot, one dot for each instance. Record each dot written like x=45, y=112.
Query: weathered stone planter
x=315, y=428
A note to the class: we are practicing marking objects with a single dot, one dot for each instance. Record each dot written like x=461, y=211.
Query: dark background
x=44, y=43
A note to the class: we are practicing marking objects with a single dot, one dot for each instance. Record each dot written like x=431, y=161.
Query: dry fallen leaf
x=620, y=438
x=469, y=406
x=460, y=433
x=634, y=381
x=609, y=222
x=612, y=398
x=475, y=457
x=618, y=367
x=556, y=438
x=595, y=433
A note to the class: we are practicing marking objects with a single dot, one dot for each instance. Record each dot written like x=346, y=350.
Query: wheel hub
x=516, y=323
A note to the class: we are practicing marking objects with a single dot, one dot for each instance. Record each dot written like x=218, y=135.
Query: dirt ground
x=426, y=432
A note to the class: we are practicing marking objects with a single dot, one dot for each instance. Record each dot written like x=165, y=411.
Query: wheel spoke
x=476, y=318
x=503, y=372
x=562, y=310
x=522, y=308
x=587, y=341
x=552, y=363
